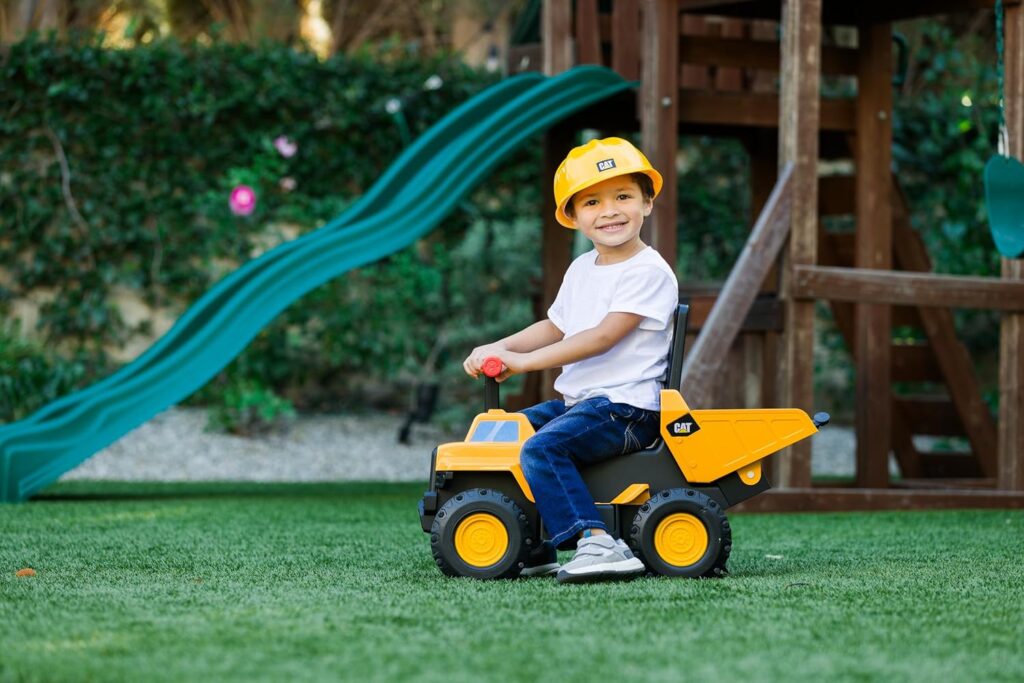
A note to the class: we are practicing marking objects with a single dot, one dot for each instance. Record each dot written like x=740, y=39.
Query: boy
x=609, y=330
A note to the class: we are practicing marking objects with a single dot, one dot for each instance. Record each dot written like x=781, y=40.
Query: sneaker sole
x=541, y=570
x=603, y=571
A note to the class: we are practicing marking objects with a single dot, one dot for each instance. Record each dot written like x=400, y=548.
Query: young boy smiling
x=609, y=330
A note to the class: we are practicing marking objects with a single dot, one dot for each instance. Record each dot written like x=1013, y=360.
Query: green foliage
x=247, y=408
x=32, y=375
x=118, y=172
x=714, y=207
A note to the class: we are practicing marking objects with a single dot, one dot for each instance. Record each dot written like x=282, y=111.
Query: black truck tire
x=682, y=532
x=482, y=534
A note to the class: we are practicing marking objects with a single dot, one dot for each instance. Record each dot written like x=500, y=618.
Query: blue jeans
x=568, y=439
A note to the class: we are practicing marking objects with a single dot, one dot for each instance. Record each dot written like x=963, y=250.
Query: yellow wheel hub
x=481, y=540
x=681, y=539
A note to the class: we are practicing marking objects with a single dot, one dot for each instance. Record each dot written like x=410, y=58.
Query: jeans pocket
x=623, y=410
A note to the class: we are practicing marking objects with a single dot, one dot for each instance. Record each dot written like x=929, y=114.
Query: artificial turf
x=215, y=582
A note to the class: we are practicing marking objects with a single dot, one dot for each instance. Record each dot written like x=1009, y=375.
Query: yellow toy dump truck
x=667, y=502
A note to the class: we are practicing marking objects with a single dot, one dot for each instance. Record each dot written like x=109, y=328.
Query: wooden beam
x=865, y=11
x=914, y=363
x=556, y=34
x=659, y=100
x=756, y=54
x=1011, y=334
x=929, y=415
x=873, y=250
x=703, y=363
x=765, y=313
x=626, y=38
x=588, y=33
x=912, y=289
x=760, y=110
x=799, y=124
x=851, y=500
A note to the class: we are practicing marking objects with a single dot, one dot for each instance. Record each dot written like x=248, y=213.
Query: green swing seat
x=1004, y=196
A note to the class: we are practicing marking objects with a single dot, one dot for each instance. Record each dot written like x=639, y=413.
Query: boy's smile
x=610, y=214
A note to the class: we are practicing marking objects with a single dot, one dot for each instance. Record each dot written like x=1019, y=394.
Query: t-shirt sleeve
x=556, y=313
x=647, y=291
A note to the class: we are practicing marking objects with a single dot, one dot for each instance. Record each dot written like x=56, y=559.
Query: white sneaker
x=598, y=558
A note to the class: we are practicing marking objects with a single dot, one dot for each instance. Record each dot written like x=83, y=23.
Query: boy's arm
x=595, y=341
x=537, y=335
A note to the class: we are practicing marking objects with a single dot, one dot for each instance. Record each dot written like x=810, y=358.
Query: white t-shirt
x=631, y=371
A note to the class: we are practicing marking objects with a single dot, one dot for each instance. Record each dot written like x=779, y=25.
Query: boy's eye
x=625, y=196
x=590, y=202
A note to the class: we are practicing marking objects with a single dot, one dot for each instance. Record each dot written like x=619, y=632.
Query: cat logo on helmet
x=684, y=426
x=605, y=165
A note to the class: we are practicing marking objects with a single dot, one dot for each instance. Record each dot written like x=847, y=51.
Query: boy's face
x=611, y=213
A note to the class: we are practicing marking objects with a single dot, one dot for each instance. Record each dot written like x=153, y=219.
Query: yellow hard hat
x=595, y=162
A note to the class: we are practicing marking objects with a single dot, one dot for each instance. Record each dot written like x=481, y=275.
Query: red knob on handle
x=492, y=366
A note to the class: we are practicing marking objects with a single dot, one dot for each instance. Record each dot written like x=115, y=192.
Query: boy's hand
x=475, y=360
x=513, y=364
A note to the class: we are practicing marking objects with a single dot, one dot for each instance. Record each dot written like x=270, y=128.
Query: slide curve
x=423, y=186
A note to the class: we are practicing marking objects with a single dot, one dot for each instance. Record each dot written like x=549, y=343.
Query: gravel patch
x=174, y=446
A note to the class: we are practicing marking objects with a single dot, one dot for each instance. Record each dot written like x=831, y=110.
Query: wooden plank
x=765, y=313
x=756, y=54
x=953, y=358
x=556, y=33
x=626, y=38
x=690, y=76
x=799, y=124
x=588, y=33
x=915, y=289
x=659, y=99
x=947, y=466
x=873, y=250
x=852, y=500
x=865, y=11
x=914, y=363
x=704, y=361
x=756, y=109
x=729, y=78
x=837, y=195
x=1011, y=333
x=929, y=415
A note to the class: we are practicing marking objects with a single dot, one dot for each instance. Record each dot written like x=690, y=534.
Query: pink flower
x=285, y=146
x=242, y=200
x=287, y=183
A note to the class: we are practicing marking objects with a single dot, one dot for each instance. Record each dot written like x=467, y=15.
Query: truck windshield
x=503, y=431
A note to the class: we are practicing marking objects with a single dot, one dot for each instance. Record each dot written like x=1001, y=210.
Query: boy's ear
x=648, y=205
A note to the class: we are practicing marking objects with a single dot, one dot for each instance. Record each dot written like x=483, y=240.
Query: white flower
x=433, y=83
x=393, y=105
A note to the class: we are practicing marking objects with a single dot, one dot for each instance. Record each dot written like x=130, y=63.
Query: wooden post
x=873, y=326
x=556, y=35
x=556, y=247
x=799, y=115
x=1011, y=338
x=659, y=118
x=626, y=38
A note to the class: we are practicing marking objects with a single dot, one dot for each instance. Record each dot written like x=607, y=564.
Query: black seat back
x=675, y=353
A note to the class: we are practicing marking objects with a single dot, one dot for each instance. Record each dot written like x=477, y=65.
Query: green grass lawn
x=193, y=582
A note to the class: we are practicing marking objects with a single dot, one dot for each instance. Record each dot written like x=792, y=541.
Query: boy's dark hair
x=642, y=180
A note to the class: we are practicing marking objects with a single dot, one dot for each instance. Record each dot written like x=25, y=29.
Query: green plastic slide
x=424, y=185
